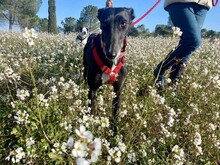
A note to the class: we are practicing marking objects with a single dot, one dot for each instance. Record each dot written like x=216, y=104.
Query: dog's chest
x=106, y=77
x=84, y=41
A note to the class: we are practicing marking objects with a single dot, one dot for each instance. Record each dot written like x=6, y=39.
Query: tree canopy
x=42, y=25
x=22, y=12
x=88, y=17
x=69, y=25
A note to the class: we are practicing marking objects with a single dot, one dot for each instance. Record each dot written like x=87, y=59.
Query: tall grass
x=45, y=119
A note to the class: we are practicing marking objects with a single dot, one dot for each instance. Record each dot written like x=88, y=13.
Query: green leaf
x=14, y=132
x=55, y=156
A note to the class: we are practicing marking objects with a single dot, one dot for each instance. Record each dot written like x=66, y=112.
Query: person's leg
x=189, y=17
x=184, y=17
x=178, y=69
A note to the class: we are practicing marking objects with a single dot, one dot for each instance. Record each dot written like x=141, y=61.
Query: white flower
x=168, y=80
x=83, y=133
x=199, y=150
x=41, y=97
x=30, y=41
x=54, y=89
x=94, y=155
x=62, y=79
x=197, y=139
x=122, y=146
x=178, y=154
x=29, y=142
x=195, y=85
x=8, y=71
x=21, y=117
x=117, y=160
x=104, y=122
x=177, y=31
x=212, y=126
x=22, y=94
x=1, y=76
x=19, y=154
x=96, y=144
x=205, y=71
x=30, y=35
x=79, y=150
x=16, y=155
x=170, y=121
x=64, y=147
x=216, y=81
x=56, y=145
x=187, y=121
x=131, y=157
x=70, y=142
x=82, y=161
x=165, y=130
x=124, y=113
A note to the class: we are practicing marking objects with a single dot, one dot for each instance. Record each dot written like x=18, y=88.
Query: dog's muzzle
x=111, y=56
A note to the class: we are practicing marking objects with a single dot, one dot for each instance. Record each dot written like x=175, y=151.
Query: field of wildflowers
x=45, y=119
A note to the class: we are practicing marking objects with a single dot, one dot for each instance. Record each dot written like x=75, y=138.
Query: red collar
x=112, y=73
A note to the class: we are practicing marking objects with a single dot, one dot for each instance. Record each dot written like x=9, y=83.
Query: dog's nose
x=111, y=55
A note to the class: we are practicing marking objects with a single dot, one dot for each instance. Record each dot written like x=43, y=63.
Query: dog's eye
x=123, y=24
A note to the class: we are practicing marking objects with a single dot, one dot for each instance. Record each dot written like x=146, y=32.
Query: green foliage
x=162, y=30
x=69, y=25
x=42, y=25
x=88, y=18
x=133, y=32
x=142, y=31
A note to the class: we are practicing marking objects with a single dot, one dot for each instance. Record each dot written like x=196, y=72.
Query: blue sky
x=72, y=8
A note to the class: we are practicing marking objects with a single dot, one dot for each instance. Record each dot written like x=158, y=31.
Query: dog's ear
x=87, y=29
x=131, y=11
x=100, y=12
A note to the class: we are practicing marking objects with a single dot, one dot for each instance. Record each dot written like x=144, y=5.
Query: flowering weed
x=45, y=119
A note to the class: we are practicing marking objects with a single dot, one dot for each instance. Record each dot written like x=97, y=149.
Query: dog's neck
x=102, y=60
x=81, y=37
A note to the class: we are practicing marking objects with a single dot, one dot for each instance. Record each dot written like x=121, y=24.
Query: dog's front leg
x=92, y=97
x=115, y=105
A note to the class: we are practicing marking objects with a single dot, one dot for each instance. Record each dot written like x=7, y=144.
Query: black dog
x=104, y=53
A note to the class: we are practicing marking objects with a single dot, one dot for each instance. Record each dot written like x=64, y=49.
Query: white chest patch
x=106, y=77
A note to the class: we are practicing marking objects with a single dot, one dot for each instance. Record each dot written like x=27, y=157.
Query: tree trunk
x=11, y=21
x=52, y=20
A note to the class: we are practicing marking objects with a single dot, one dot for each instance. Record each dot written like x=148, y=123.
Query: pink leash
x=214, y=2
x=150, y=10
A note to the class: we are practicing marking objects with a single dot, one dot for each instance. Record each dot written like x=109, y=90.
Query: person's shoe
x=176, y=72
x=159, y=79
x=161, y=68
x=160, y=85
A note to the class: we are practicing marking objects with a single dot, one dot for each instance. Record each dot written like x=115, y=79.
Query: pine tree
x=52, y=20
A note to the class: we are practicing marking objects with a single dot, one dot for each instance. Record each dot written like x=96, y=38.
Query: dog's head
x=114, y=23
x=83, y=31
